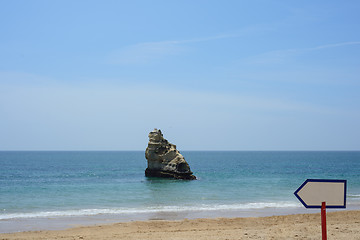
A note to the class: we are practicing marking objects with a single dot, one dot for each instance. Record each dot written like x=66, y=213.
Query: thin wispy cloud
x=206, y=39
x=148, y=52
x=321, y=47
x=335, y=45
x=284, y=55
x=143, y=53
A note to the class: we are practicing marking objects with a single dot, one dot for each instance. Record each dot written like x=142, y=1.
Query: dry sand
x=341, y=225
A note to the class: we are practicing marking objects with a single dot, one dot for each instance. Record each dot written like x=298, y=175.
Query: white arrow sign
x=315, y=191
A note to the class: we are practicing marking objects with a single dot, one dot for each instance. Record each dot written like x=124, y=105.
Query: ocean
x=59, y=189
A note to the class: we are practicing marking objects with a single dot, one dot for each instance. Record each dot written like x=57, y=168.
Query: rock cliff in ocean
x=164, y=160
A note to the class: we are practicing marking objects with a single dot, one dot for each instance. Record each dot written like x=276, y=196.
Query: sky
x=212, y=75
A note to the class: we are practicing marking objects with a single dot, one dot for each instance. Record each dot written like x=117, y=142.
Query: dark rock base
x=173, y=175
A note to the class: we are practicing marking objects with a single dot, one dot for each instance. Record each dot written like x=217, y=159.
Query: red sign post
x=323, y=221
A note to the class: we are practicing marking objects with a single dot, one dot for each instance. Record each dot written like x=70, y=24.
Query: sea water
x=36, y=186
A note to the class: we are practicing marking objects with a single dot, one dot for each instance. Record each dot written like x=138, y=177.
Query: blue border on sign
x=321, y=180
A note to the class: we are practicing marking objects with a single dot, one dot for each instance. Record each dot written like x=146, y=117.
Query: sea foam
x=160, y=209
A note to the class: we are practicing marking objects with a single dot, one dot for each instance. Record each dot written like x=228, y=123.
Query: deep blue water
x=45, y=184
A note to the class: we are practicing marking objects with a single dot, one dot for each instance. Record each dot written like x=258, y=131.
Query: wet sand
x=341, y=225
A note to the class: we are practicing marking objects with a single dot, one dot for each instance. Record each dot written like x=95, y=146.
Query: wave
x=145, y=210
x=353, y=195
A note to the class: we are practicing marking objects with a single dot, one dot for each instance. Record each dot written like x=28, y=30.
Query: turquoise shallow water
x=57, y=184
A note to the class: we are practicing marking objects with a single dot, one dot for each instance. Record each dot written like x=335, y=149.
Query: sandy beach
x=341, y=225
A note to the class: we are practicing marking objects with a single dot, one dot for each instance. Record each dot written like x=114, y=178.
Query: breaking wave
x=145, y=210
x=353, y=195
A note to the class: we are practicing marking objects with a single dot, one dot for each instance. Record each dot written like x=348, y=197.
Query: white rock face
x=164, y=160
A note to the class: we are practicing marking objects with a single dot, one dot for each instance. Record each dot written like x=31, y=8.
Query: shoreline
x=64, y=222
x=51, y=223
x=341, y=225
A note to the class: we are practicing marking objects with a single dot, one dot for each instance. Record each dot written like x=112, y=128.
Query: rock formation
x=164, y=160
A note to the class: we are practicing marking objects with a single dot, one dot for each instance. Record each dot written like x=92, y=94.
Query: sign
x=322, y=193
x=315, y=191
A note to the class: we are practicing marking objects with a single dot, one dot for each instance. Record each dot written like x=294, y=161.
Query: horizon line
x=182, y=150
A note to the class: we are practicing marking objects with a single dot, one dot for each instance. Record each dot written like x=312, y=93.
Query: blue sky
x=212, y=75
